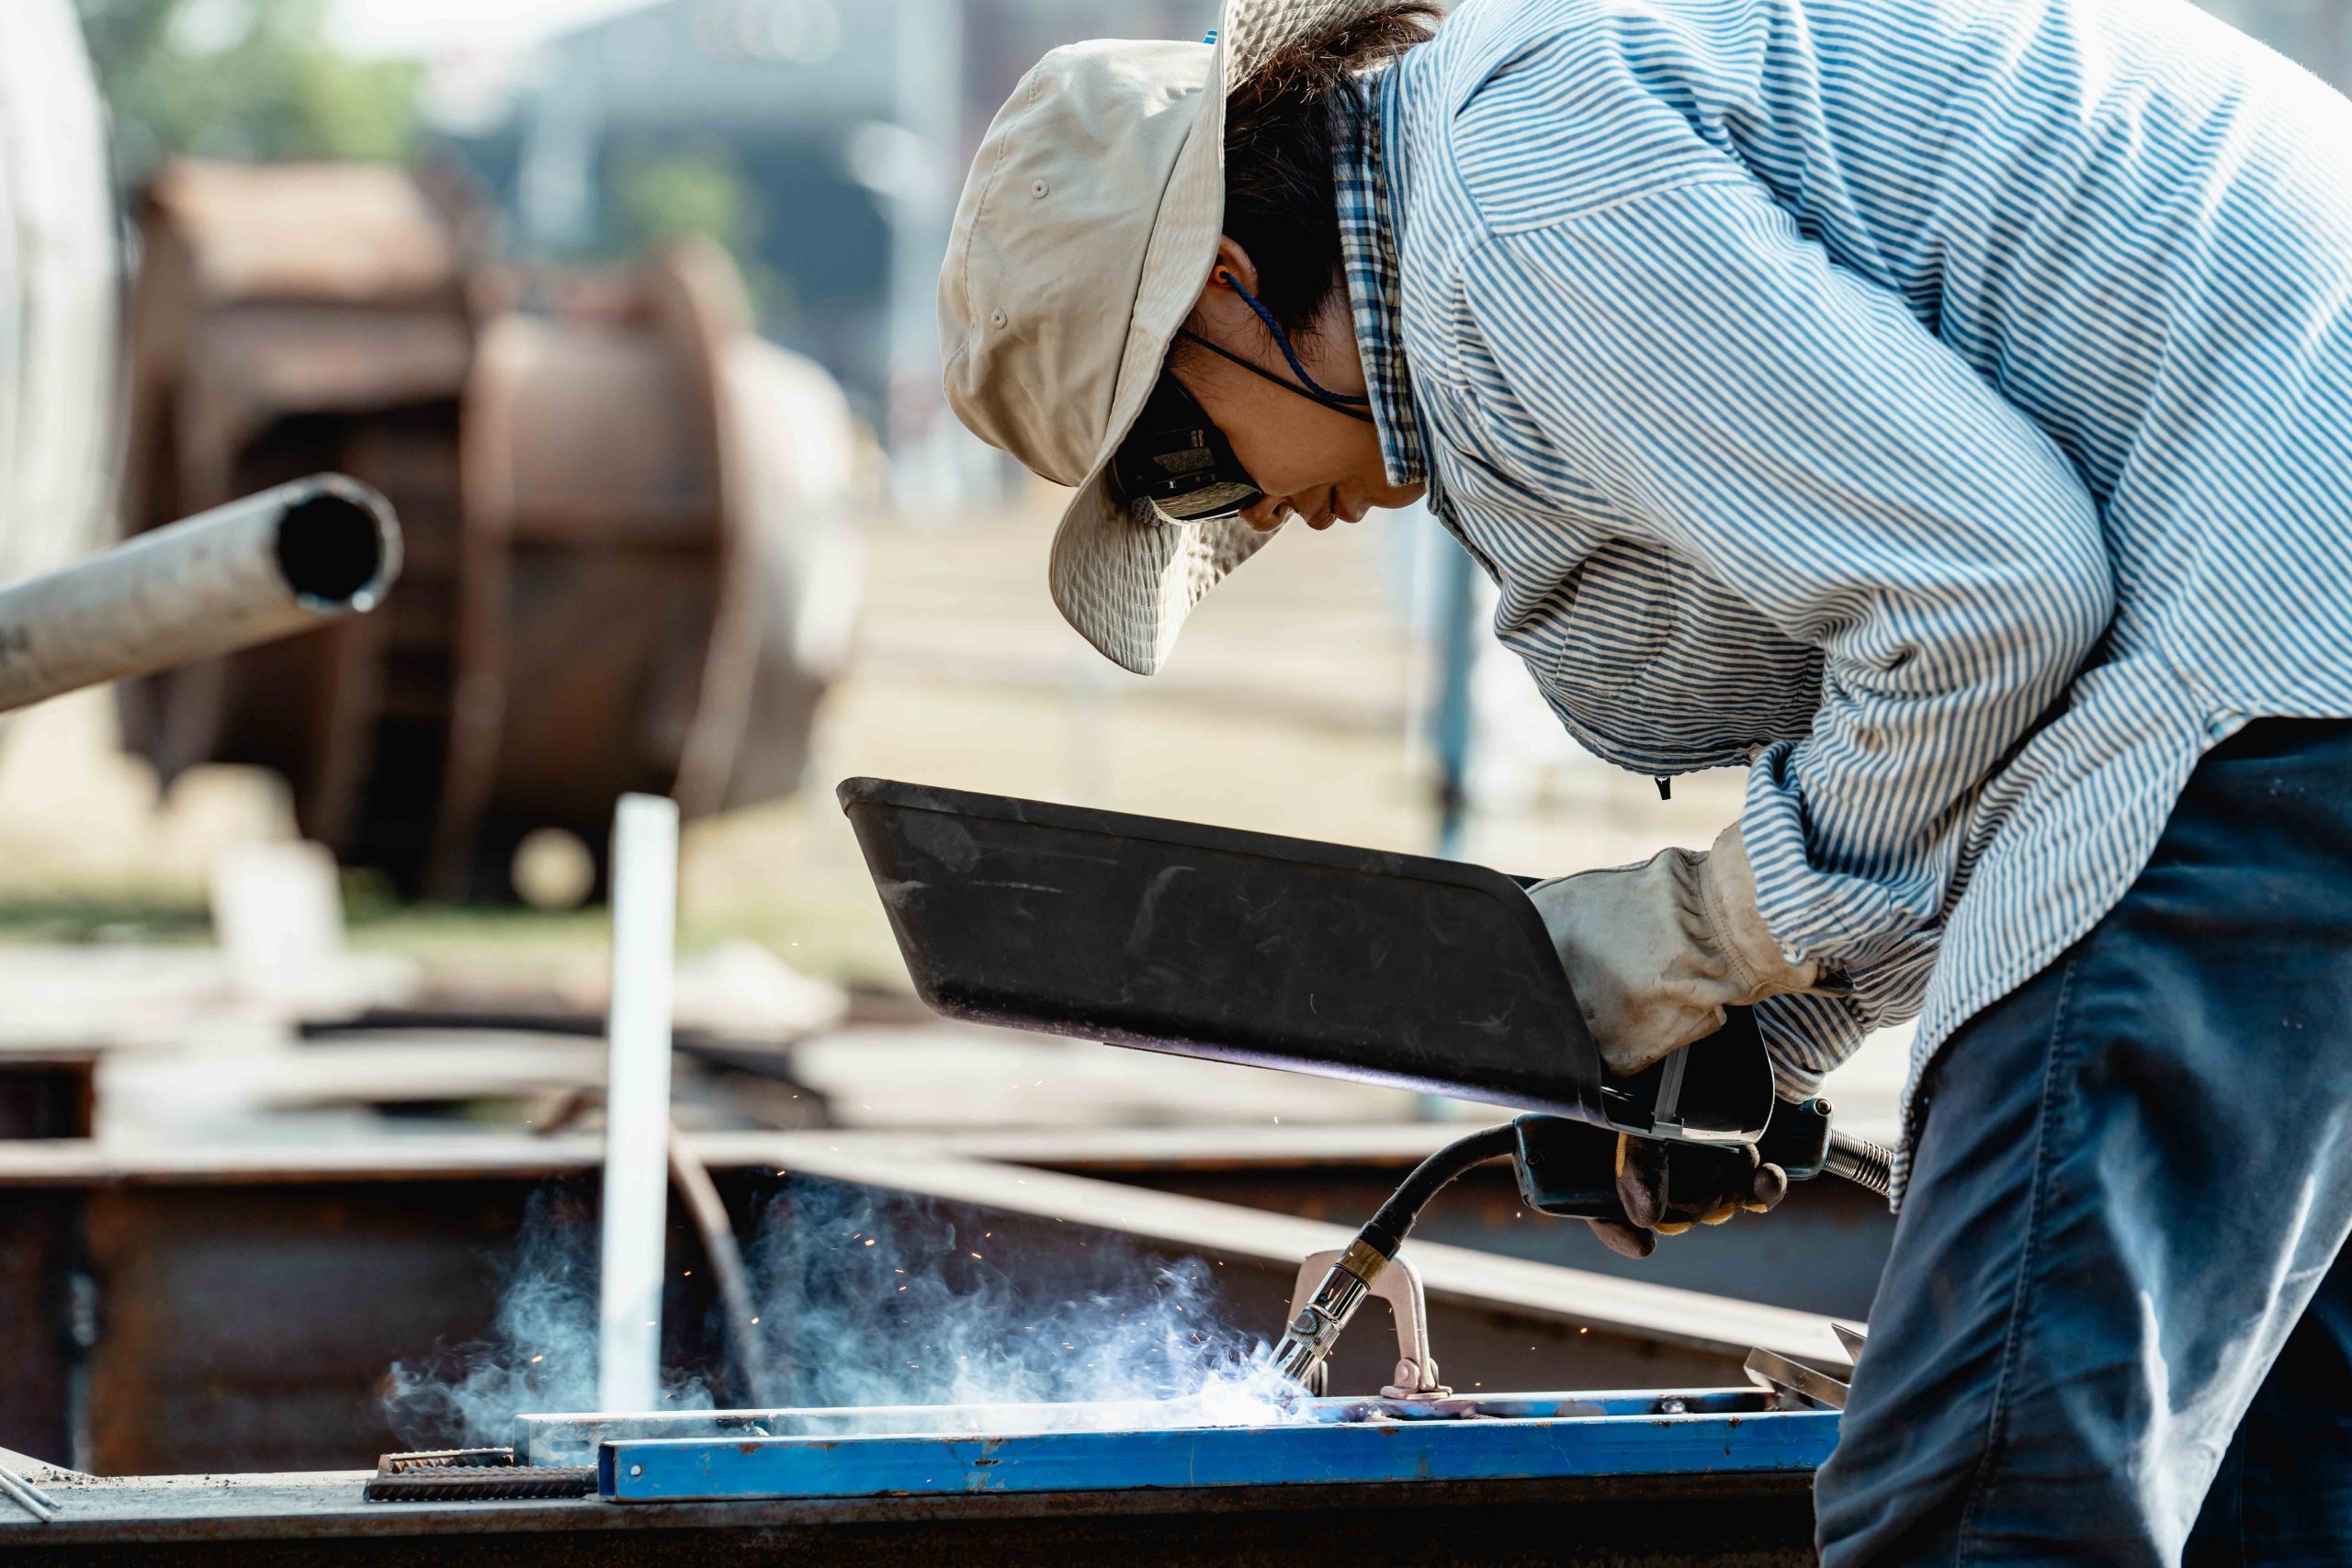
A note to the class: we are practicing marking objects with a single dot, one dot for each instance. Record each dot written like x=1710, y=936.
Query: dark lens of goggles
x=1178, y=463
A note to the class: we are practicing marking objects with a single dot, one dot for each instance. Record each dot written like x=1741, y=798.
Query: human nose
x=1266, y=513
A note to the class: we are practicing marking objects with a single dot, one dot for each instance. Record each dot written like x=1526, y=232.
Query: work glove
x=1655, y=952
x=1667, y=1188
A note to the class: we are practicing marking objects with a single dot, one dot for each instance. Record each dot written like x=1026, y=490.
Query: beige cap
x=1085, y=234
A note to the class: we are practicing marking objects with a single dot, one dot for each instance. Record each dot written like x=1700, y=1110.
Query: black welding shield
x=1428, y=974
x=1176, y=463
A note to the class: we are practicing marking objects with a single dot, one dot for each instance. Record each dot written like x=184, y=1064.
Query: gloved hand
x=1655, y=952
x=1664, y=1189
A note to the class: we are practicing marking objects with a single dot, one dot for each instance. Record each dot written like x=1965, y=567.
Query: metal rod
x=636, y=1103
x=28, y=1497
x=704, y=1206
x=266, y=567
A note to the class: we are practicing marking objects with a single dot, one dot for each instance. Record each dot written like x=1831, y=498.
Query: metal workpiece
x=572, y=1439
x=458, y=1475
x=286, y=560
x=1792, y=1380
x=1335, y=1441
x=1754, y=1518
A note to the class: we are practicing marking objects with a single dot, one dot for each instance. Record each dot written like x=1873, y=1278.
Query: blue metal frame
x=1350, y=1441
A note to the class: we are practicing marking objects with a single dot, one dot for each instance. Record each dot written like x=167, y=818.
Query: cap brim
x=1126, y=586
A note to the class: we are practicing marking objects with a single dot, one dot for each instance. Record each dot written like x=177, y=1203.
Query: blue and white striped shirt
x=1942, y=406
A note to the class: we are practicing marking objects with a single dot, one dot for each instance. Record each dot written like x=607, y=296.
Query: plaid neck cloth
x=1368, y=255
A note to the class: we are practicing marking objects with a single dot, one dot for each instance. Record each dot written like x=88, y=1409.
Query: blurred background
x=627, y=306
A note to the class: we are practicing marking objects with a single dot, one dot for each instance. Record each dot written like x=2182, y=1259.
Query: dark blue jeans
x=2116, y=1327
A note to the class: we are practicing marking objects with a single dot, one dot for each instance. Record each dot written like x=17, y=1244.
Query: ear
x=1232, y=266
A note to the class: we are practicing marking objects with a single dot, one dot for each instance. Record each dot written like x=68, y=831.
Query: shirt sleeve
x=1747, y=402
x=1808, y=1033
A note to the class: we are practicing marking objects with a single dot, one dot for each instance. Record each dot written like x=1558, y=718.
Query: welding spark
x=869, y=1241
x=977, y=1254
x=536, y=1359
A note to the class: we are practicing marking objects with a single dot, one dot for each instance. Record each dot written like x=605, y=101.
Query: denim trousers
x=2116, y=1325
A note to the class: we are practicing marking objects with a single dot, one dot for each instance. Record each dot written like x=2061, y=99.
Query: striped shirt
x=1943, y=407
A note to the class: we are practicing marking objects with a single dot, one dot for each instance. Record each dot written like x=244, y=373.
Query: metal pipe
x=266, y=567
x=636, y=1102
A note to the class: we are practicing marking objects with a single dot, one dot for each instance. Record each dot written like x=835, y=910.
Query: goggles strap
x=1306, y=386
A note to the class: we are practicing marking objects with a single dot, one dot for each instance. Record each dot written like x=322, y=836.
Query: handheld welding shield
x=1200, y=941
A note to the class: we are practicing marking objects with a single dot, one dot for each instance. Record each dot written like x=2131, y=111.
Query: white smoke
x=873, y=1298
x=869, y=1298
x=540, y=1354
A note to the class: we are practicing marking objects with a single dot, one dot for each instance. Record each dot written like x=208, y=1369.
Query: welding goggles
x=1176, y=463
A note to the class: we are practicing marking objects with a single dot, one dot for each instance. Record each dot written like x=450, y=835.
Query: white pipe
x=637, y=1104
x=283, y=561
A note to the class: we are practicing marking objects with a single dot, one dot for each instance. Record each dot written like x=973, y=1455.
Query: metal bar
x=708, y=1212
x=636, y=1103
x=274, y=564
x=28, y=1497
x=675, y=1470
x=562, y=1439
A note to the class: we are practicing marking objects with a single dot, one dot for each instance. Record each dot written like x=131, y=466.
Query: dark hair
x=1279, y=204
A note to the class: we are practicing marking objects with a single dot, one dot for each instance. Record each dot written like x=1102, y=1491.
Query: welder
x=1941, y=409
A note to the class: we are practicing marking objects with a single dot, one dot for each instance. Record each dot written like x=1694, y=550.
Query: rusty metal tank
x=631, y=558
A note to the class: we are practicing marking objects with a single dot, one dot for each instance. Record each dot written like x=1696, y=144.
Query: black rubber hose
x=1386, y=1229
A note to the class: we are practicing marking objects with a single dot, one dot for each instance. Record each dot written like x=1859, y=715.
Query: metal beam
x=664, y=1470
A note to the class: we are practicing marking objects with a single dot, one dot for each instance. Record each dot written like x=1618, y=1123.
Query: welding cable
x=1386, y=1229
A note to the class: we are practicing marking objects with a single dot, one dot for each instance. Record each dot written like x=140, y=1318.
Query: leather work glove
x=1655, y=952
x=1664, y=1189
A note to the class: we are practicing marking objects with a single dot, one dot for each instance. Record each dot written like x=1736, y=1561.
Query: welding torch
x=1565, y=1168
